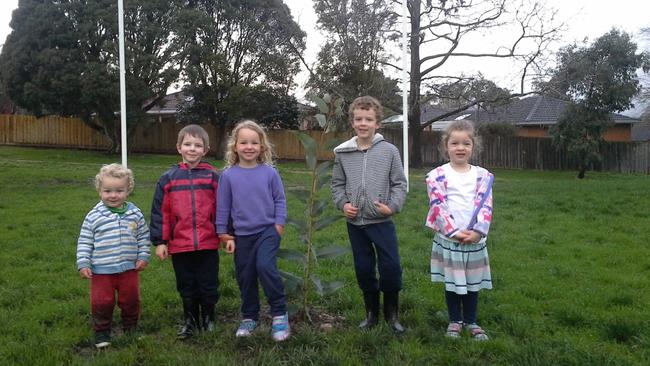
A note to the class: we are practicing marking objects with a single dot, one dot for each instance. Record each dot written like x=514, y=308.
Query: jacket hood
x=351, y=144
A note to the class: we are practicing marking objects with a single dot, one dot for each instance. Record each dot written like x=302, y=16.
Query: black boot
x=391, y=300
x=207, y=317
x=191, y=315
x=371, y=300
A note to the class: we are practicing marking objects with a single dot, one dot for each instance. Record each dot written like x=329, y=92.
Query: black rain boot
x=371, y=300
x=391, y=300
x=191, y=315
x=207, y=317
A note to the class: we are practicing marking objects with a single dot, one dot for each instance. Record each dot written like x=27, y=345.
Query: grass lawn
x=570, y=266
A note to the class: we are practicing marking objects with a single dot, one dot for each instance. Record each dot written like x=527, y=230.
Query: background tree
x=62, y=58
x=236, y=52
x=350, y=62
x=598, y=79
x=438, y=32
x=645, y=79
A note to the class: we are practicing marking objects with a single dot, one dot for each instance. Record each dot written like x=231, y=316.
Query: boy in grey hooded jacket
x=369, y=186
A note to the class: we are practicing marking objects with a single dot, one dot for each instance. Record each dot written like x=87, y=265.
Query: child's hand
x=140, y=265
x=383, y=209
x=230, y=246
x=350, y=211
x=461, y=235
x=161, y=251
x=471, y=237
x=280, y=229
x=86, y=273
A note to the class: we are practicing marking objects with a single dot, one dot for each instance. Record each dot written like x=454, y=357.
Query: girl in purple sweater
x=251, y=194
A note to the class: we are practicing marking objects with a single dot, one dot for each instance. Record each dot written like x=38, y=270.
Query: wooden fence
x=160, y=137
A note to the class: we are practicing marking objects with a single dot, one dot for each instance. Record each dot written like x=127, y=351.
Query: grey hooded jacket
x=364, y=177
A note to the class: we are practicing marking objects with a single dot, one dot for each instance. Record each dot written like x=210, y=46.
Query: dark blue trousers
x=197, y=275
x=375, y=246
x=462, y=307
x=255, y=258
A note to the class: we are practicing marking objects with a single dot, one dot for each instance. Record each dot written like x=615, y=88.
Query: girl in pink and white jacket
x=460, y=212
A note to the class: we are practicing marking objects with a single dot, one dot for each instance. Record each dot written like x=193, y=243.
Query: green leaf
x=332, y=251
x=338, y=103
x=292, y=283
x=301, y=193
x=319, y=207
x=291, y=254
x=322, y=120
x=322, y=180
x=317, y=284
x=330, y=287
x=332, y=143
x=324, y=288
x=310, y=148
x=301, y=225
x=325, y=222
x=324, y=167
x=293, y=309
x=322, y=104
x=327, y=98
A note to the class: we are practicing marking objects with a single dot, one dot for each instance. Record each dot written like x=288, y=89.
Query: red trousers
x=102, y=299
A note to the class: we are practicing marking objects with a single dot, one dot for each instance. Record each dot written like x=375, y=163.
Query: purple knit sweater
x=253, y=197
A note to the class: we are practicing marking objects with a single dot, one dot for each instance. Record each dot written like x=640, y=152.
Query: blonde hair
x=114, y=171
x=266, y=148
x=462, y=126
x=368, y=103
x=194, y=131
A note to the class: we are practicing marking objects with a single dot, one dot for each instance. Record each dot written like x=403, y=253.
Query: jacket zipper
x=363, y=181
x=194, y=229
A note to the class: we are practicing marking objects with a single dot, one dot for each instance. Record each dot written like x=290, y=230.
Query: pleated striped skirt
x=461, y=267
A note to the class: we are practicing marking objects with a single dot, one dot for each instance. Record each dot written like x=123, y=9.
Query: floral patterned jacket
x=439, y=218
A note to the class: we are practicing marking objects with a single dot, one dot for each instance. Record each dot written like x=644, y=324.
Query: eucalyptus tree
x=234, y=52
x=62, y=58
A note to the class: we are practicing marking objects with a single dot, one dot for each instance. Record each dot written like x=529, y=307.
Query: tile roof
x=533, y=110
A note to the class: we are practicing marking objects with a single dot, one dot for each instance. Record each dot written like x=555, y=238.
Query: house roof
x=533, y=110
x=429, y=112
x=169, y=104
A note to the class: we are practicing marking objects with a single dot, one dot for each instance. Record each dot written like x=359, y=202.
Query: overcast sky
x=585, y=18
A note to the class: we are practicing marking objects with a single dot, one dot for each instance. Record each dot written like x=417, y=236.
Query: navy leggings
x=462, y=307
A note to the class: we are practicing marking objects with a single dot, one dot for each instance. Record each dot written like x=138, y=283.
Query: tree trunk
x=415, y=128
x=582, y=166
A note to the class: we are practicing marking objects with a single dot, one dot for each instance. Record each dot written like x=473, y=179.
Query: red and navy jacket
x=184, y=209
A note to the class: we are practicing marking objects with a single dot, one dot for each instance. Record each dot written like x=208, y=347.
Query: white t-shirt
x=461, y=190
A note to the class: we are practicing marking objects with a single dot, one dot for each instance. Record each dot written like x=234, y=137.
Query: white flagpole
x=120, y=15
x=405, y=89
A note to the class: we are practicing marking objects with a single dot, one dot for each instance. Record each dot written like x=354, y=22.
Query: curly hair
x=114, y=171
x=266, y=148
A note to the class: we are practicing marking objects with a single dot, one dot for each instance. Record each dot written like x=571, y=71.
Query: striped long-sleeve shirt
x=109, y=243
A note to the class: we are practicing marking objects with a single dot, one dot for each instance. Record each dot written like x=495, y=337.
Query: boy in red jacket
x=183, y=226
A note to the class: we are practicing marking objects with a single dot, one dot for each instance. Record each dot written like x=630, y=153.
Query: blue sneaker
x=246, y=328
x=280, y=329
